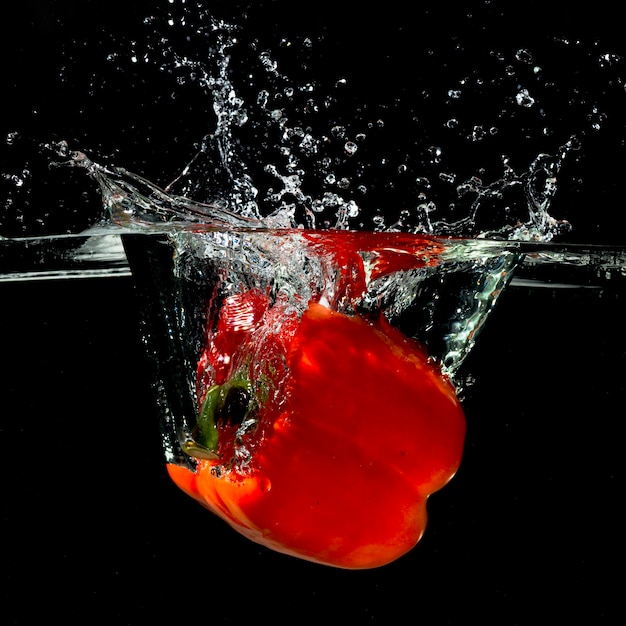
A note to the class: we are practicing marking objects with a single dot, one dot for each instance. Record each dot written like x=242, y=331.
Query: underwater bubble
x=379, y=222
x=263, y=98
x=309, y=144
x=478, y=133
x=596, y=118
x=268, y=62
x=16, y=180
x=353, y=209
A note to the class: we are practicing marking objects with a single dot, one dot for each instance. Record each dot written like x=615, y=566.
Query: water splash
x=308, y=159
x=270, y=125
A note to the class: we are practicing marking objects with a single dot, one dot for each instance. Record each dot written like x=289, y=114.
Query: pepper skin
x=325, y=433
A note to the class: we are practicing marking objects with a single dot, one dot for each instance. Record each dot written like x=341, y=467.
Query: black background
x=91, y=528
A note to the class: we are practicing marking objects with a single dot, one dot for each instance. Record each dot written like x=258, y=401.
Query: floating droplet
x=524, y=99
x=350, y=148
x=524, y=56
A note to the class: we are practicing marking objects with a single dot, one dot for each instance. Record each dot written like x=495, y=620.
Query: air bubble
x=268, y=63
x=353, y=209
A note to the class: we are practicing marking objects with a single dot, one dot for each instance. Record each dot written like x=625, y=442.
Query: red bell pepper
x=322, y=434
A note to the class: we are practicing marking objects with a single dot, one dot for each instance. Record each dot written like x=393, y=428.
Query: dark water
x=530, y=529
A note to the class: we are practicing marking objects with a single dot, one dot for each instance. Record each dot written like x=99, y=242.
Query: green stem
x=218, y=404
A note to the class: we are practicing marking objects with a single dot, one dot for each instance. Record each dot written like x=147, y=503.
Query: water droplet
x=350, y=148
x=524, y=99
x=524, y=56
x=606, y=60
x=435, y=153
